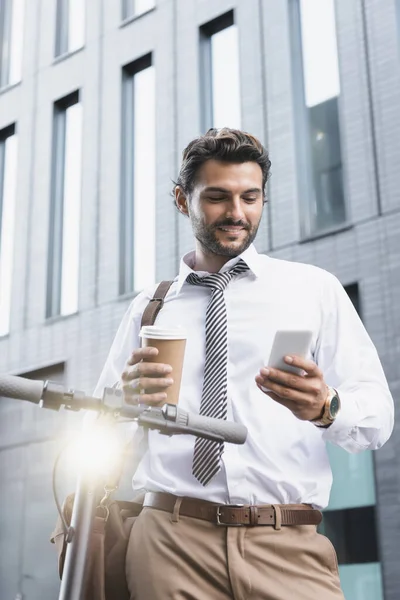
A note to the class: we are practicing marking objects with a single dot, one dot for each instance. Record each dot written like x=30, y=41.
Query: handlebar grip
x=20, y=388
x=234, y=433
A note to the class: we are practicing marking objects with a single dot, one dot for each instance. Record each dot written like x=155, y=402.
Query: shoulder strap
x=156, y=303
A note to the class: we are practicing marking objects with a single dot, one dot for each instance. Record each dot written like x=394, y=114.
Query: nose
x=235, y=210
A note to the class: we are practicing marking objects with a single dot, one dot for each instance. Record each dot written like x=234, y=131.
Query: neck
x=208, y=261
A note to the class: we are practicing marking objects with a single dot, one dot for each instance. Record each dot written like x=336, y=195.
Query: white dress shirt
x=284, y=460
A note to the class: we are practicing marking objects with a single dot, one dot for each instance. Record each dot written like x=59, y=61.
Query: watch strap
x=326, y=419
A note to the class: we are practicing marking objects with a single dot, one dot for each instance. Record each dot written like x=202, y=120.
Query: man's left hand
x=304, y=395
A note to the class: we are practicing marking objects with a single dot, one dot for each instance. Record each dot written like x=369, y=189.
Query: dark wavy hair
x=226, y=145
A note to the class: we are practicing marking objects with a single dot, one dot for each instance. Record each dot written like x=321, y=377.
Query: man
x=183, y=544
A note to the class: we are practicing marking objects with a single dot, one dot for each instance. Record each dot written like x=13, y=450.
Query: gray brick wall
x=368, y=252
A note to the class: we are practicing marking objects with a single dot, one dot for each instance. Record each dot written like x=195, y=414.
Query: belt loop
x=278, y=517
x=175, y=512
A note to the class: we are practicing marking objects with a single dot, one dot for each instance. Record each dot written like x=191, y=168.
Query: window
x=397, y=9
x=8, y=182
x=63, y=257
x=220, y=76
x=134, y=8
x=11, y=41
x=350, y=519
x=70, y=30
x=138, y=188
x=317, y=90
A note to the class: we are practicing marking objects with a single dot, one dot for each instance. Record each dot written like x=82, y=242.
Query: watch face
x=334, y=406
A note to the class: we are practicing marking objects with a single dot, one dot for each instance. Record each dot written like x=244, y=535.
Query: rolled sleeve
x=125, y=342
x=358, y=429
x=350, y=363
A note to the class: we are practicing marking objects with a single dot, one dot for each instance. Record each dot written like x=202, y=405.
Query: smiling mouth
x=231, y=229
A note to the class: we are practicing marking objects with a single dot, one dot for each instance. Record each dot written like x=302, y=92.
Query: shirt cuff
x=343, y=431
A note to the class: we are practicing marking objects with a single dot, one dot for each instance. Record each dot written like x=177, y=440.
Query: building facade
x=97, y=101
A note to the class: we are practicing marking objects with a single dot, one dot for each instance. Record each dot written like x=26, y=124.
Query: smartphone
x=289, y=342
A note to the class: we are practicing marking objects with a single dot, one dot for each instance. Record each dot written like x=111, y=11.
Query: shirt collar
x=249, y=256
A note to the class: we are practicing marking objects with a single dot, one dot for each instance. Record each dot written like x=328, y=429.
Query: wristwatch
x=330, y=410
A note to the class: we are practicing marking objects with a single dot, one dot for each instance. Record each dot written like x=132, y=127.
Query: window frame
x=61, y=43
x=303, y=148
x=56, y=217
x=11, y=45
x=206, y=32
x=126, y=283
x=5, y=134
x=5, y=36
x=127, y=16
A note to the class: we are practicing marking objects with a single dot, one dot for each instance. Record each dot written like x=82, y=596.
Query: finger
x=149, y=383
x=284, y=392
x=141, y=354
x=292, y=380
x=307, y=385
x=144, y=369
x=309, y=366
x=157, y=399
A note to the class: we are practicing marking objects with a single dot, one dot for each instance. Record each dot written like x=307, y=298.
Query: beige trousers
x=181, y=558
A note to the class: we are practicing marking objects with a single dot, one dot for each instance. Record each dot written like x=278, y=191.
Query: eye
x=250, y=199
x=216, y=198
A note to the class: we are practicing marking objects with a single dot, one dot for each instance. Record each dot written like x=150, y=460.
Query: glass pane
x=328, y=207
x=362, y=582
x=144, y=192
x=7, y=230
x=225, y=78
x=62, y=27
x=353, y=479
x=76, y=24
x=132, y=8
x=322, y=89
x=5, y=41
x=397, y=7
x=71, y=210
x=17, y=31
x=321, y=69
x=127, y=9
x=142, y=5
x=353, y=533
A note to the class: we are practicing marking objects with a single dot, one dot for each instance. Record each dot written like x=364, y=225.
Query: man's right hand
x=145, y=382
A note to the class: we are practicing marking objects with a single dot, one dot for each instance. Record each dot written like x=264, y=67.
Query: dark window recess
x=353, y=293
x=218, y=24
x=353, y=533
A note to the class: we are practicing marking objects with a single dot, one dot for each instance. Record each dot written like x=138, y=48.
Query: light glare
x=97, y=451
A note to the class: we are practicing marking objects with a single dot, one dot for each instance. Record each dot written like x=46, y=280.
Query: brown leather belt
x=235, y=515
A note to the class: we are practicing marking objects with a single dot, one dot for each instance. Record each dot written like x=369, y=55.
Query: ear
x=181, y=201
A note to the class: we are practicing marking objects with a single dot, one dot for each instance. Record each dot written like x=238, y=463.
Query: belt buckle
x=220, y=523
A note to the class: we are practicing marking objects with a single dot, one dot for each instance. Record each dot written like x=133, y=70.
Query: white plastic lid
x=162, y=333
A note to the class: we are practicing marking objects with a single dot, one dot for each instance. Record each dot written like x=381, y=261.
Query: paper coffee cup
x=171, y=343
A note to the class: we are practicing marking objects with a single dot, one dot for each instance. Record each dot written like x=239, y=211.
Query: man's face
x=226, y=206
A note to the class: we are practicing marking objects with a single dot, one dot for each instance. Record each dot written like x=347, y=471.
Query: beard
x=207, y=236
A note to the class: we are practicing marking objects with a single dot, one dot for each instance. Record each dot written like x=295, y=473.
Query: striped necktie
x=207, y=454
